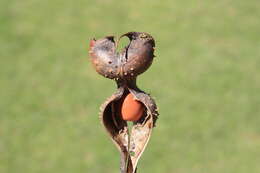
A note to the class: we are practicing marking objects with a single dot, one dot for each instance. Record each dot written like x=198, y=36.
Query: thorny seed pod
x=124, y=67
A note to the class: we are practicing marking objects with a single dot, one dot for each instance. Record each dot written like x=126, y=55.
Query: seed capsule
x=140, y=49
x=128, y=103
x=116, y=125
x=103, y=56
x=134, y=59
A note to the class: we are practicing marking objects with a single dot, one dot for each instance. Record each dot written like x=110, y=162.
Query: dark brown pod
x=133, y=60
x=124, y=67
x=104, y=57
x=139, y=53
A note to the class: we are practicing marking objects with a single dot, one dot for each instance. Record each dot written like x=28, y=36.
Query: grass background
x=205, y=80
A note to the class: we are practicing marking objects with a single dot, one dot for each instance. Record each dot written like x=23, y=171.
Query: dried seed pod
x=104, y=57
x=124, y=67
x=139, y=53
x=130, y=144
x=133, y=60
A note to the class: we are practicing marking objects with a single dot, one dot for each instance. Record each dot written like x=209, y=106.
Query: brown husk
x=119, y=132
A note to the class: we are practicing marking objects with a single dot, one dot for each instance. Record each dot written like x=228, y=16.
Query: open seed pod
x=124, y=67
x=133, y=60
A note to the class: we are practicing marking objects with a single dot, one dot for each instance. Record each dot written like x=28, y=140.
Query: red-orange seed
x=131, y=109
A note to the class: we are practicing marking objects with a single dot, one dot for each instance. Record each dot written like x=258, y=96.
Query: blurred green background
x=205, y=80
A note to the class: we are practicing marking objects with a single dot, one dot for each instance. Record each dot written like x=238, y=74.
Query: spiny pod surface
x=128, y=103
